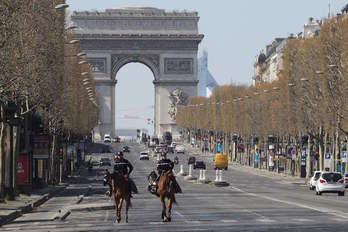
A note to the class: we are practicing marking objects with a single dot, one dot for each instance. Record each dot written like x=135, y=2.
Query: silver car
x=330, y=182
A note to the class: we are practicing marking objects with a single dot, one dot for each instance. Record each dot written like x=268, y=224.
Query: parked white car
x=107, y=138
x=180, y=149
x=313, y=181
x=144, y=155
x=330, y=182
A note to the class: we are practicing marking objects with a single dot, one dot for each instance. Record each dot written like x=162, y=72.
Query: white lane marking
x=179, y=214
x=336, y=213
x=193, y=222
x=228, y=221
x=302, y=219
x=156, y=223
x=266, y=220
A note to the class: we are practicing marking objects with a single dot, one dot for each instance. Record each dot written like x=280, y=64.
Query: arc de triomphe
x=166, y=42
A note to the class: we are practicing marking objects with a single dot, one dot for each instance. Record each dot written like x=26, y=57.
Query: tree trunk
x=308, y=159
x=52, y=160
x=346, y=171
x=16, y=141
x=337, y=149
x=321, y=147
x=2, y=149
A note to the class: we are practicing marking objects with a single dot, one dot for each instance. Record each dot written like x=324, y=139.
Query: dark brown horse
x=121, y=192
x=166, y=189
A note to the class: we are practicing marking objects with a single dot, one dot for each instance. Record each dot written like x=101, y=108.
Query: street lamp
x=82, y=62
x=80, y=54
x=73, y=41
x=71, y=27
x=61, y=6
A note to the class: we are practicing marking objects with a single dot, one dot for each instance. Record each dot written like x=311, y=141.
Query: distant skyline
x=235, y=33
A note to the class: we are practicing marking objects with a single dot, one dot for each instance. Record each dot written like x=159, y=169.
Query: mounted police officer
x=124, y=167
x=165, y=165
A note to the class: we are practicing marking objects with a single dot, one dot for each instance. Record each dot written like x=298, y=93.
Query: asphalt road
x=249, y=203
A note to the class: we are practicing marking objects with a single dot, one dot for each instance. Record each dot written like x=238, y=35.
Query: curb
x=29, y=208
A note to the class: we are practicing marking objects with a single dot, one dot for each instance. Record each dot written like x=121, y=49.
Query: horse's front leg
x=164, y=215
x=170, y=203
x=119, y=207
x=117, y=202
x=127, y=207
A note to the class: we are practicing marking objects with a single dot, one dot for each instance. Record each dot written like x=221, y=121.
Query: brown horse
x=166, y=189
x=121, y=192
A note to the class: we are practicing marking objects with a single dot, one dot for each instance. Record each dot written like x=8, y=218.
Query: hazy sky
x=235, y=32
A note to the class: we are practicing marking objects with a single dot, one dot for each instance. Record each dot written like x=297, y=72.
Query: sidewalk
x=255, y=171
x=25, y=204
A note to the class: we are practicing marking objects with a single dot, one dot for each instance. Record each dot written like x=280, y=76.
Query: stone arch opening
x=134, y=104
x=150, y=61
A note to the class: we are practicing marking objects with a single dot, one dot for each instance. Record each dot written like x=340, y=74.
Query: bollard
x=190, y=177
x=200, y=174
x=218, y=179
x=220, y=175
x=203, y=174
x=181, y=173
x=202, y=178
x=216, y=175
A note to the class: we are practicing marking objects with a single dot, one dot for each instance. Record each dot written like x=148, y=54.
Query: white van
x=107, y=138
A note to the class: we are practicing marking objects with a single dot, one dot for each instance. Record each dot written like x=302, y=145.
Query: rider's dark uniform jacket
x=123, y=166
x=164, y=165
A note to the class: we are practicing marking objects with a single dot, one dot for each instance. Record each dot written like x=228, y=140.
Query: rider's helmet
x=119, y=155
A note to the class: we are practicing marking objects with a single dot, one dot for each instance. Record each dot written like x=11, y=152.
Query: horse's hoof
x=118, y=221
x=169, y=219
